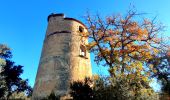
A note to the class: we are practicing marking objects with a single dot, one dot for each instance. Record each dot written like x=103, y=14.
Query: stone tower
x=64, y=57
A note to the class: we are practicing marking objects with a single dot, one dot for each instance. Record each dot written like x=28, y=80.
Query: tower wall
x=61, y=62
x=80, y=66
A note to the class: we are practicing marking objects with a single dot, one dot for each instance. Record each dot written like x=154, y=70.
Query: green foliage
x=10, y=76
x=109, y=88
x=161, y=63
x=19, y=96
x=52, y=96
x=122, y=89
x=14, y=82
x=5, y=52
x=81, y=90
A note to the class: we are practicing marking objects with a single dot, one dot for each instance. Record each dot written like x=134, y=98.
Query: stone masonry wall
x=60, y=61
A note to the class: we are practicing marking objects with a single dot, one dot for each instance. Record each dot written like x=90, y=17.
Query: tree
x=122, y=42
x=81, y=90
x=19, y=96
x=4, y=54
x=161, y=63
x=52, y=96
x=11, y=81
x=106, y=88
x=121, y=89
x=125, y=45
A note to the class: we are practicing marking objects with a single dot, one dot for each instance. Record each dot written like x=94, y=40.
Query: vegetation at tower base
x=81, y=90
x=127, y=45
x=11, y=84
x=52, y=96
x=107, y=88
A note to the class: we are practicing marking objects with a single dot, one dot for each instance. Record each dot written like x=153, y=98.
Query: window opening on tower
x=82, y=51
x=81, y=29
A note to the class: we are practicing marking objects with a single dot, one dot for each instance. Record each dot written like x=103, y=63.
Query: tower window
x=81, y=29
x=82, y=51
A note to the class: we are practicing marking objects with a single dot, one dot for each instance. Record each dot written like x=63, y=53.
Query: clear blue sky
x=23, y=23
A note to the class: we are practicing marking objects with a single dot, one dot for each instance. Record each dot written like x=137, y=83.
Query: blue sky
x=23, y=23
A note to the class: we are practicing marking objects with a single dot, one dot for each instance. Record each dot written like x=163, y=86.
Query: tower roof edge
x=54, y=15
x=68, y=18
x=65, y=18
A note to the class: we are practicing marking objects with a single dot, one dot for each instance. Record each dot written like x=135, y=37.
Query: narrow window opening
x=82, y=51
x=81, y=29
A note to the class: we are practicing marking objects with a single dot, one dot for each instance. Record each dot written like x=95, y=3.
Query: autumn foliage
x=124, y=43
x=127, y=45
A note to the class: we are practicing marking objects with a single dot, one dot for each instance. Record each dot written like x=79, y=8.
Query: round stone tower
x=64, y=58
